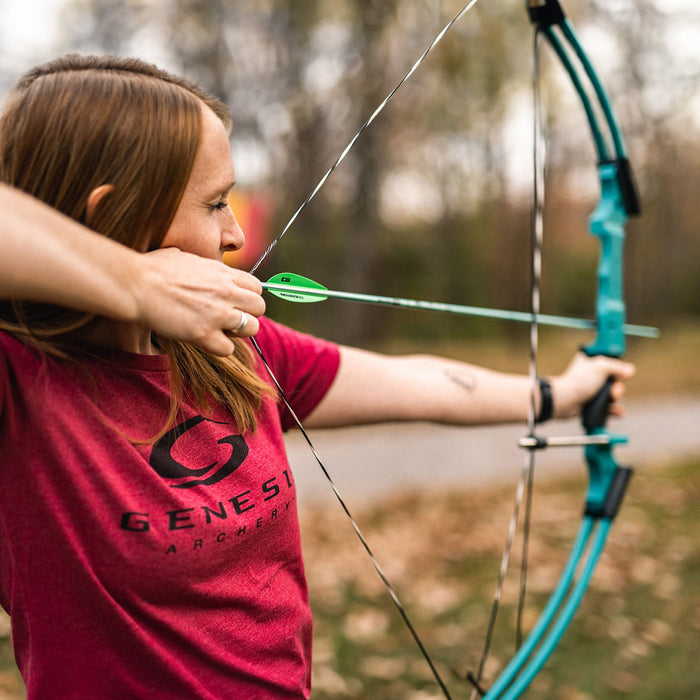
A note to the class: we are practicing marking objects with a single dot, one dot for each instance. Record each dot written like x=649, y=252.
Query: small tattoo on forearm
x=466, y=381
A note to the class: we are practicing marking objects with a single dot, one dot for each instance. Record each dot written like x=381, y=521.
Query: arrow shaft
x=458, y=309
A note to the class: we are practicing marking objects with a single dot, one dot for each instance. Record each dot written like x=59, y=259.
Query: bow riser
x=608, y=223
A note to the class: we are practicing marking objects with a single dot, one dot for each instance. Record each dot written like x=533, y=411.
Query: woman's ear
x=93, y=200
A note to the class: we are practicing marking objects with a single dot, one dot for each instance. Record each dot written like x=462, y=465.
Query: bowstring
x=525, y=487
x=390, y=589
x=387, y=584
x=539, y=161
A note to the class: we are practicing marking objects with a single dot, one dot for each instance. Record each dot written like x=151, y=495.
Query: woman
x=149, y=544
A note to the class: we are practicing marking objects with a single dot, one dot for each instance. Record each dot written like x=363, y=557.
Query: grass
x=635, y=636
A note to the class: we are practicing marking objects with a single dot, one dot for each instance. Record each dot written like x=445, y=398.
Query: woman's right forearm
x=47, y=257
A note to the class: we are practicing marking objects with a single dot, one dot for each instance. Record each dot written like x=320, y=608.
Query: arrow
x=293, y=287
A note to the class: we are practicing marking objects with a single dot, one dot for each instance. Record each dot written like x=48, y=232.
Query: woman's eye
x=220, y=205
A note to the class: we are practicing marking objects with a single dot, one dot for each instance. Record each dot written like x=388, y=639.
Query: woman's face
x=204, y=223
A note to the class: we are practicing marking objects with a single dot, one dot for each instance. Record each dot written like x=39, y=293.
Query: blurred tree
x=103, y=26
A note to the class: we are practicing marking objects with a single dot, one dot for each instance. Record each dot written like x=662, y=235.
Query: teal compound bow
x=607, y=480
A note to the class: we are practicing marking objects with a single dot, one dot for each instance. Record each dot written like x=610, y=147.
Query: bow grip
x=595, y=411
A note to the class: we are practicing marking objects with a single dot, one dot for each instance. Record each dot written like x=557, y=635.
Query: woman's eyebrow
x=222, y=190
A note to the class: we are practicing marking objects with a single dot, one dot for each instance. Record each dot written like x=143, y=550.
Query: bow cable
x=525, y=485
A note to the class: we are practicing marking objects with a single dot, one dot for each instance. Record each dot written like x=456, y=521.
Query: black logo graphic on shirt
x=168, y=467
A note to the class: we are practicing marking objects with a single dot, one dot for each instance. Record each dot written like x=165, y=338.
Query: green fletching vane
x=293, y=287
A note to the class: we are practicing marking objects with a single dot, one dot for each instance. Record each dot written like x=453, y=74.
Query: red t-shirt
x=167, y=570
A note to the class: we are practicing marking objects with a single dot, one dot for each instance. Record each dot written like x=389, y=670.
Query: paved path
x=370, y=463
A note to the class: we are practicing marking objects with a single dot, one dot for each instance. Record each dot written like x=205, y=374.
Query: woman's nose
x=232, y=238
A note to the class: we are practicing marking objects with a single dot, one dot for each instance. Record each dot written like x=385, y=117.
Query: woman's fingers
x=583, y=379
x=246, y=326
x=197, y=300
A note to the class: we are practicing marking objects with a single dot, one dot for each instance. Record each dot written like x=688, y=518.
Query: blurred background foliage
x=434, y=201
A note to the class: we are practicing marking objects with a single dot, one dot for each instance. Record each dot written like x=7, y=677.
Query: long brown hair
x=79, y=122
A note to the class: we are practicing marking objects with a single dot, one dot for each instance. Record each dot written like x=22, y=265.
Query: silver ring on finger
x=242, y=324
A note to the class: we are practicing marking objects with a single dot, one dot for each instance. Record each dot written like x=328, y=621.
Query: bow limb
x=607, y=480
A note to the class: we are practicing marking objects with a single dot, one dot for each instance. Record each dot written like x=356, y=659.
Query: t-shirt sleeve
x=304, y=366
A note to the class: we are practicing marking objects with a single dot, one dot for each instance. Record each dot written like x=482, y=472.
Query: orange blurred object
x=253, y=212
